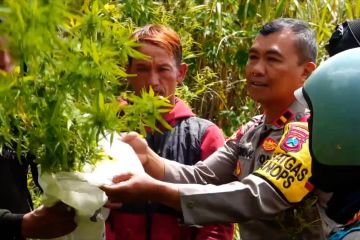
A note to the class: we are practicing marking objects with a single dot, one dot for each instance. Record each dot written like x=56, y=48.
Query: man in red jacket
x=192, y=139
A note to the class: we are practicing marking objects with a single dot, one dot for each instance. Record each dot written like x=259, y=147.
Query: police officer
x=241, y=182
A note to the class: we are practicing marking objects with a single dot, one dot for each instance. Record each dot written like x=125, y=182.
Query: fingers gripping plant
x=61, y=98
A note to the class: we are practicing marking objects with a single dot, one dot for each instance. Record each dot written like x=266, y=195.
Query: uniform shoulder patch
x=289, y=168
x=294, y=138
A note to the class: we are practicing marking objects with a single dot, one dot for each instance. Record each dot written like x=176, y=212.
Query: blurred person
x=343, y=205
x=345, y=36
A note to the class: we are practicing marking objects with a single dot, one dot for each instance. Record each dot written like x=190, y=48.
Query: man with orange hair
x=192, y=139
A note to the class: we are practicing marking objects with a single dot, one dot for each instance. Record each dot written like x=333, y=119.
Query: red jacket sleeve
x=216, y=232
x=211, y=141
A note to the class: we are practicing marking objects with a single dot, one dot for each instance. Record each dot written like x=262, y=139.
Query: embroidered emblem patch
x=294, y=139
x=269, y=145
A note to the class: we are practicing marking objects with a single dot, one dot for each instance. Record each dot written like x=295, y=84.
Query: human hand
x=139, y=145
x=130, y=187
x=48, y=222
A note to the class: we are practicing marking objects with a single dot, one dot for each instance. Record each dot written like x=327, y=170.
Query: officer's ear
x=309, y=67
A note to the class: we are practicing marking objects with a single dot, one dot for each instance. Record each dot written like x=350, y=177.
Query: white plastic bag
x=80, y=189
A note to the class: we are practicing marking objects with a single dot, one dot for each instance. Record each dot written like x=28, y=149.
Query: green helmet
x=332, y=93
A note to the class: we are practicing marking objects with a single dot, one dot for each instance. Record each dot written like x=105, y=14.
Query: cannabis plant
x=62, y=96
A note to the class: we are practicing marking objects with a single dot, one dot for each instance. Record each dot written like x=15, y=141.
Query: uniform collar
x=295, y=112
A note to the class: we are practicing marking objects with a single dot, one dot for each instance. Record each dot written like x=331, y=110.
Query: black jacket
x=15, y=198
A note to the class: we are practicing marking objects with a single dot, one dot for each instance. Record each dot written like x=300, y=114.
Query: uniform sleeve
x=211, y=141
x=10, y=223
x=289, y=168
x=217, y=169
x=228, y=203
x=278, y=184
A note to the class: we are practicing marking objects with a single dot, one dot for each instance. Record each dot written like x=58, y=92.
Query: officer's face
x=273, y=71
x=160, y=72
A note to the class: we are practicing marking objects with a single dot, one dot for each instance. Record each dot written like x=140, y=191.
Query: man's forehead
x=284, y=34
x=138, y=61
x=151, y=60
x=274, y=42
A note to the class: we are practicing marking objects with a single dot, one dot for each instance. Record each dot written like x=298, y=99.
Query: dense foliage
x=62, y=97
x=216, y=35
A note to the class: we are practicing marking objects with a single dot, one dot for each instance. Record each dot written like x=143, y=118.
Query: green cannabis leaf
x=62, y=95
x=145, y=111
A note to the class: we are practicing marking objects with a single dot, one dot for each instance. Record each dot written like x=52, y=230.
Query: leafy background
x=71, y=83
x=216, y=36
x=63, y=95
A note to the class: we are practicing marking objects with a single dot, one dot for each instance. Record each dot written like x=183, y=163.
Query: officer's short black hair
x=306, y=37
x=344, y=37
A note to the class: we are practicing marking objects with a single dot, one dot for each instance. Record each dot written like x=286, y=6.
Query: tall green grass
x=216, y=36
